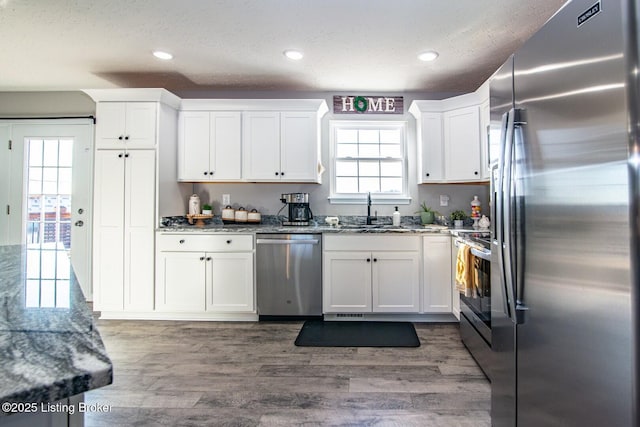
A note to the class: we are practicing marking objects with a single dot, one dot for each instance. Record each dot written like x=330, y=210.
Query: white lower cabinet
x=437, y=286
x=204, y=273
x=365, y=274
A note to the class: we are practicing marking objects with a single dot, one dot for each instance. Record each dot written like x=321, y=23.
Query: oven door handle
x=485, y=255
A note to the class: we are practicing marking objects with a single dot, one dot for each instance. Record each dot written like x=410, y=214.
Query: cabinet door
x=226, y=144
x=346, y=282
x=462, y=144
x=431, y=148
x=181, y=281
x=299, y=147
x=437, y=285
x=140, y=124
x=230, y=282
x=395, y=282
x=193, y=146
x=108, y=228
x=110, y=124
x=261, y=146
x=139, y=228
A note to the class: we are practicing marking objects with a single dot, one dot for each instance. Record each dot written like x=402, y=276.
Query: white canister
x=254, y=216
x=228, y=214
x=194, y=205
x=241, y=215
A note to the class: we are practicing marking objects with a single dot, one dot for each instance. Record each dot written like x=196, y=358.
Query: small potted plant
x=206, y=210
x=458, y=218
x=427, y=215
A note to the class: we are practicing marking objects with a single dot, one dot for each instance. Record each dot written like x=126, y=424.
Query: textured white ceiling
x=363, y=45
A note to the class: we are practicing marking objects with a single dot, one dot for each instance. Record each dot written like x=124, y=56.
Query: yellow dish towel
x=463, y=270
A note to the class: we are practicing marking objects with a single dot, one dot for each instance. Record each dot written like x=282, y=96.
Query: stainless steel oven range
x=475, y=302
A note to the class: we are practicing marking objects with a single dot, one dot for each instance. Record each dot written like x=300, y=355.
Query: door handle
x=79, y=223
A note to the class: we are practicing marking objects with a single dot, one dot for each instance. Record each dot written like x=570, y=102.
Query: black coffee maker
x=299, y=211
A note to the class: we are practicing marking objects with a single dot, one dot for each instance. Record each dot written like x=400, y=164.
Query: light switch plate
x=226, y=199
x=444, y=200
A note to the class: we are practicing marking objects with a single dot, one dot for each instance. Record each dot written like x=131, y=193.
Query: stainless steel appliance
x=565, y=268
x=475, y=305
x=299, y=212
x=289, y=275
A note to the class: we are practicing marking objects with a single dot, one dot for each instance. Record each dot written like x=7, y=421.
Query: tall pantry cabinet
x=127, y=192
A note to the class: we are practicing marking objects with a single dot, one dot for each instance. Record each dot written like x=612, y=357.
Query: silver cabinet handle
x=79, y=223
x=287, y=242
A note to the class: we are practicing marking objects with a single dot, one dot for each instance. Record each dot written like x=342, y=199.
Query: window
x=368, y=157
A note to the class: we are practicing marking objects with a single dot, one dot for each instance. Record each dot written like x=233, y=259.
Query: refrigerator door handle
x=518, y=200
x=507, y=219
x=498, y=214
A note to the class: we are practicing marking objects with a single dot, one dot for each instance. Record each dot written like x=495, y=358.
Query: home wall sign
x=361, y=104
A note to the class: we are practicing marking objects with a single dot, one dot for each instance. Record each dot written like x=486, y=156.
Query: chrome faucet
x=369, y=218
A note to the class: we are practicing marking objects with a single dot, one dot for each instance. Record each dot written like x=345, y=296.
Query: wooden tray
x=199, y=219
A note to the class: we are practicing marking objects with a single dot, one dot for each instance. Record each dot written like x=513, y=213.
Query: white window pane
x=369, y=136
x=47, y=293
x=66, y=152
x=64, y=183
x=369, y=184
x=368, y=168
x=32, y=293
x=50, y=152
x=35, y=152
x=347, y=150
x=62, y=294
x=48, y=265
x=33, y=263
x=391, y=185
x=391, y=169
x=390, y=136
x=63, y=271
x=369, y=150
x=35, y=181
x=346, y=185
x=346, y=135
x=49, y=180
x=346, y=168
x=387, y=150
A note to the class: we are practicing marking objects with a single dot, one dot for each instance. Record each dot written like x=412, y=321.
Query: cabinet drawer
x=371, y=243
x=205, y=243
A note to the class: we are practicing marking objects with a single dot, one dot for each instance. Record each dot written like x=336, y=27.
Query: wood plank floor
x=251, y=374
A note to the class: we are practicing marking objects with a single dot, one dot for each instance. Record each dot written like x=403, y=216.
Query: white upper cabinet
x=485, y=121
x=450, y=140
x=126, y=124
x=281, y=146
x=462, y=144
x=209, y=146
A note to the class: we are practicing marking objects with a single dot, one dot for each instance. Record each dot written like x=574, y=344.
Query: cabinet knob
x=126, y=138
x=201, y=258
x=120, y=137
x=120, y=155
x=206, y=173
x=126, y=155
x=368, y=259
x=375, y=260
x=229, y=242
x=427, y=174
x=282, y=173
x=475, y=173
x=181, y=241
x=208, y=258
x=210, y=172
x=277, y=174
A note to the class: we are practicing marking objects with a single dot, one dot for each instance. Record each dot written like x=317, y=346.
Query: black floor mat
x=318, y=333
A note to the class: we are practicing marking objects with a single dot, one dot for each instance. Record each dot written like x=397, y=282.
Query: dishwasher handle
x=287, y=242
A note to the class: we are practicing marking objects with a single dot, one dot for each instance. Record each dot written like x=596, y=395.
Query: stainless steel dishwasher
x=289, y=275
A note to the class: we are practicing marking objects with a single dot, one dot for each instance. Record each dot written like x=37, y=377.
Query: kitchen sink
x=374, y=227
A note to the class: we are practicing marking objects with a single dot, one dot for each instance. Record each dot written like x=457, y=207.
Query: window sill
x=362, y=200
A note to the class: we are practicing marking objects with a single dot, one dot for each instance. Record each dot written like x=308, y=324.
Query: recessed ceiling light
x=162, y=55
x=429, y=55
x=296, y=55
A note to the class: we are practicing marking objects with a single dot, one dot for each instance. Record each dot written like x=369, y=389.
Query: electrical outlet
x=444, y=200
x=226, y=199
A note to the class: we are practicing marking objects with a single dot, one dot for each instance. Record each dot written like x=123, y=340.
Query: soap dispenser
x=396, y=217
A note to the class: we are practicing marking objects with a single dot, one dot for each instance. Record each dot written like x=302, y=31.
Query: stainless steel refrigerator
x=565, y=259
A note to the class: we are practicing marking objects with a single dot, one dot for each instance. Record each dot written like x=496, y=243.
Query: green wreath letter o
x=361, y=104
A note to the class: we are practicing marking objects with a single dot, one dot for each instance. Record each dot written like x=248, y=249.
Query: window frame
x=402, y=198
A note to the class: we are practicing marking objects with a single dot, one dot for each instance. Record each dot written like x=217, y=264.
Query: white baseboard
x=199, y=316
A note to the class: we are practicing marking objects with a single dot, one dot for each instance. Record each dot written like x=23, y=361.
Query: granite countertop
x=49, y=346
x=272, y=224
